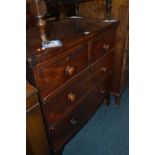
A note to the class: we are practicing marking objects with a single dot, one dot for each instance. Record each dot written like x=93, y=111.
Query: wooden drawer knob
x=71, y=97
x=103, y=69
x=73, y=121
x=102, y=92
x=105, y=47
x=70, y=70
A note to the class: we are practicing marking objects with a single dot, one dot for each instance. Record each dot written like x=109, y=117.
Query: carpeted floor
x=107, y=132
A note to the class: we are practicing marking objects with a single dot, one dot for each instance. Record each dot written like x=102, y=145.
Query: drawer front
x=102, y=44
x=62, y=131
x=65, y=100
x=53, y=75
x=102, y=68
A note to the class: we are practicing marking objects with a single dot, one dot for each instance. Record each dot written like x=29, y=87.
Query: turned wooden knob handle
x=103, y=69
x=70, y=70
x=105, y=47
x=102, y=92
x=73, y=121
x=71, y=97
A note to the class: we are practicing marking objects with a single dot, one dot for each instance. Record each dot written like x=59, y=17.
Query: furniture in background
x=125, y=66
x=108, y=7
x=119, y=11
x=63, y=8
x=55, y=10
x=36, y=138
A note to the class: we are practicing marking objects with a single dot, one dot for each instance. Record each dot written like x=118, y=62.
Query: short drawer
x=65, y=129
x=102, y=44
x=54, y=74
x=102, y=68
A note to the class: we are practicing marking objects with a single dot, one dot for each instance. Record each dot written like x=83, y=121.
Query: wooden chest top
x=71, y=32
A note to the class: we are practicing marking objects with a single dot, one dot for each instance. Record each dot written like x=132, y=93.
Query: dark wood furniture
x=125, y=66
x=75, y=79
x=68, y=7
x=116, y=10
x=36, y=138
x=121, y=70
x=54, y=10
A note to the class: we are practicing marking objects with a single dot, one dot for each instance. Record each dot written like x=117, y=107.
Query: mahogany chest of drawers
x=75, y=79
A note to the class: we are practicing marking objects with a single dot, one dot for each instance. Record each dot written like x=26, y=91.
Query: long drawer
x=55, y=73
x=68, y=98
x=65, y=129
